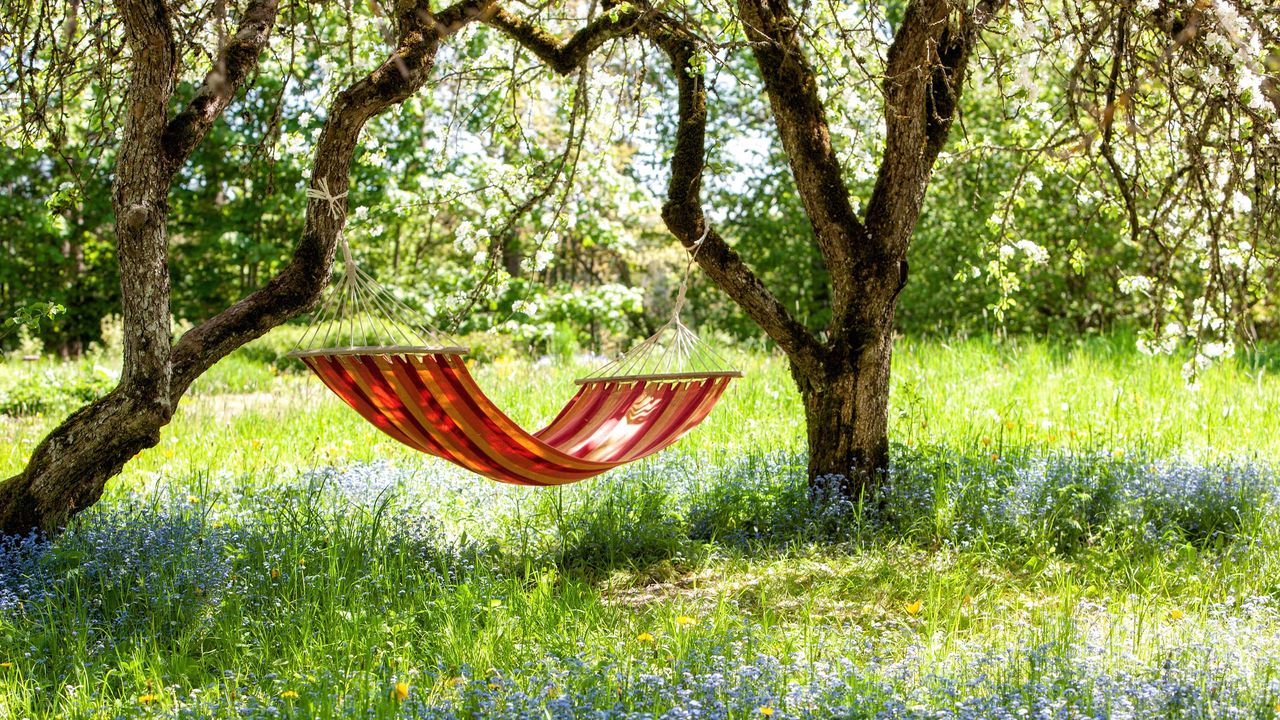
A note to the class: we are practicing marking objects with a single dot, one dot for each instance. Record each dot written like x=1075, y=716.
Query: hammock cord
x=361, y=314
x=682, y=353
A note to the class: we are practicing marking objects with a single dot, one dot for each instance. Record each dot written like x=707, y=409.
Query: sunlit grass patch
x=1048, y=546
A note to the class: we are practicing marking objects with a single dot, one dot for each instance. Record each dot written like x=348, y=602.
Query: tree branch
x=236, y=60
x=300, y=284
x=139, y=191
x=683, y=214
x=565, y=57
x=923, y=81
x=792, y=86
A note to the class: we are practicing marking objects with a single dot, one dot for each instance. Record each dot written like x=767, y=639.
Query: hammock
x=417, y=389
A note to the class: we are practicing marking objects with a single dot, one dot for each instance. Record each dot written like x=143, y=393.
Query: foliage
x=51, y=391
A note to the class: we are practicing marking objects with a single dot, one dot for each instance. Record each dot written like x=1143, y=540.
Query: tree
x=810, y=67
x=842, y=370
x=69, y=469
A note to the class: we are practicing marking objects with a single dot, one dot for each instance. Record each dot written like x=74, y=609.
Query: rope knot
x=321, y=192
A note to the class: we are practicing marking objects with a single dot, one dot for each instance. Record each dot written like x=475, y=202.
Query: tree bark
x=846, y=413
x=69, y=469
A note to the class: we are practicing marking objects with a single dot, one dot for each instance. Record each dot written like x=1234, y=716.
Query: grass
x=1071, y=533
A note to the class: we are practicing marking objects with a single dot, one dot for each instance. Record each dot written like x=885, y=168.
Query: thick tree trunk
x=70, y=468
x=846, y=415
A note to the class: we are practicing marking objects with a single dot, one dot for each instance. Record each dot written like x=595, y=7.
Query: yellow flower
x=148, y=698
x=986, y=440
x=401, y=690
x=645, y=637
x=1176, y=614
x=460, y=680
x=289, y=695
x=275, y=573
x=686, y=620
x=914, y=608
x=766, y=710
x=6, y=665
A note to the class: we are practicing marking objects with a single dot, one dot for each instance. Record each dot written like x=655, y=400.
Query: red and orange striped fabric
x=432, y=404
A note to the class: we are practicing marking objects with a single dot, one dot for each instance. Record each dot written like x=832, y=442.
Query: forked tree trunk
x=843, y=377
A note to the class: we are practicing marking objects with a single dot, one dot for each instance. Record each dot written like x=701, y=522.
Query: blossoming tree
x=1173, y=100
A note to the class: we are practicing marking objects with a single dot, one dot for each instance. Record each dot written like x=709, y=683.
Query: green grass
x=256, y=554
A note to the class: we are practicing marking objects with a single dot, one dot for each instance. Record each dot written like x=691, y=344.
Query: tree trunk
x=846, y=415
x=70, y=468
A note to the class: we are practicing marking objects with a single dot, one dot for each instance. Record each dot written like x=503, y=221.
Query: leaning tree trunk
x=69, y=469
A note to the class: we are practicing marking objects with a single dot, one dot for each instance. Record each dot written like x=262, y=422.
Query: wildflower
x=914, y=608
x=495, y=603
x=148, y=698
x=289, y=695
x=1176, y=614
x=275, y=573
x=986, y=439
x=460, y=680
x=6, y=665
x=686, y=620
x=645, y=637
x=765, y=710
x=401, y=690
x=193, y=500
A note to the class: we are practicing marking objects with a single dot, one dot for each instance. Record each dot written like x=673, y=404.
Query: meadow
x=1067, y=532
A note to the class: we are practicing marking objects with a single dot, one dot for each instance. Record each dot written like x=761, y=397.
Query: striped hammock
x=418, y=390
